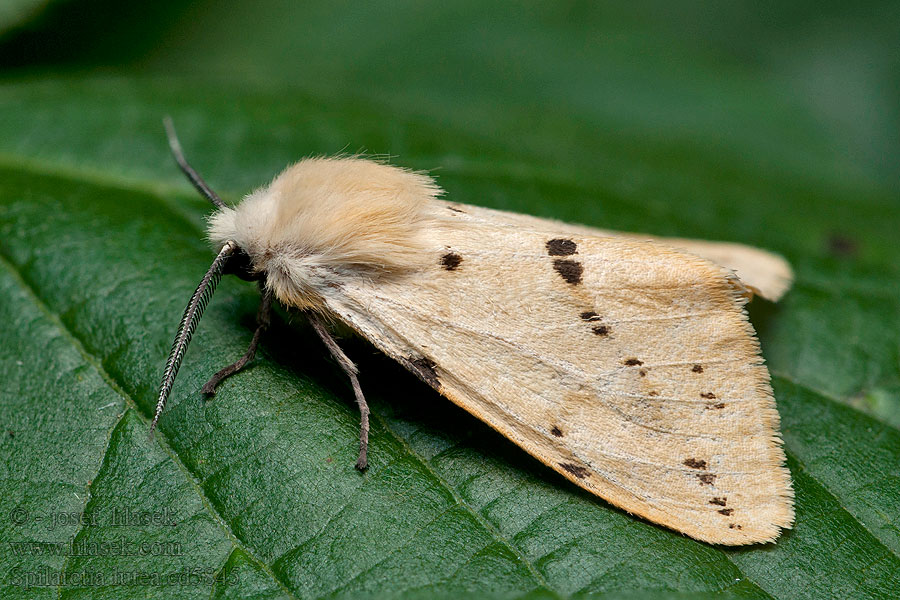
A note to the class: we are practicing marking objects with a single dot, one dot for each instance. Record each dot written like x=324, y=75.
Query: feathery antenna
x=188, y=324
x=187, y=169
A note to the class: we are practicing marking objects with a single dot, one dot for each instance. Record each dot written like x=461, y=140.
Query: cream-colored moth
x=621, y=362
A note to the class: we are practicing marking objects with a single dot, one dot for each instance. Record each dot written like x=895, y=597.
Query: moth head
x=323, y=220
x=241, y=264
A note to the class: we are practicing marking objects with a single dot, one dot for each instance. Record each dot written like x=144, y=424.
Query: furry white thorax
x=324, y=219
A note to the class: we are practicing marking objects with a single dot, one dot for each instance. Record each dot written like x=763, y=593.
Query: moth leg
x=350, y=369
x=263, y=319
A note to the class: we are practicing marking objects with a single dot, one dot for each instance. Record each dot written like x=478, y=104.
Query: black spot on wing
x=726, y=511
x=719, y=501
x=576, y=470
x=592, y=317
x=697, y=369
x=450, y=261
x=705, y=478
x=570, y=270
x=733, y=526
x=717, y=406
x=633, y=362
x=695, y=463
x=708, y=395
x=561, y=247
x=456, y=209
x=556, y=431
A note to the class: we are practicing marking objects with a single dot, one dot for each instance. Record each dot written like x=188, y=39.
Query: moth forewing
x=628, y=367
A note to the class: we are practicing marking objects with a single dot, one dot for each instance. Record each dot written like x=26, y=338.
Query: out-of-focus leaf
x=16, y=12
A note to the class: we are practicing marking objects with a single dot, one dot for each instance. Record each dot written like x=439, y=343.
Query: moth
x=625, y=363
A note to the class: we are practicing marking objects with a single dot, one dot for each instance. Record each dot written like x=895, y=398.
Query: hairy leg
x=263, y=319
x=350, y=369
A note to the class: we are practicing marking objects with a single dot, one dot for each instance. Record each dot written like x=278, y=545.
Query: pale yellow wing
x=763, y=273
x=628, y=367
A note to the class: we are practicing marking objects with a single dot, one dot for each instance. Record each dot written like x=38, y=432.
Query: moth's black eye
x=240, y=264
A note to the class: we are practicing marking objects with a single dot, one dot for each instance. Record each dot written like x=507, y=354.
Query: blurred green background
x=802, y=87
x=768, y=123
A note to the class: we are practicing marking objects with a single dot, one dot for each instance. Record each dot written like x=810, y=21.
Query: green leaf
x=609, y=117
x=15, y=12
